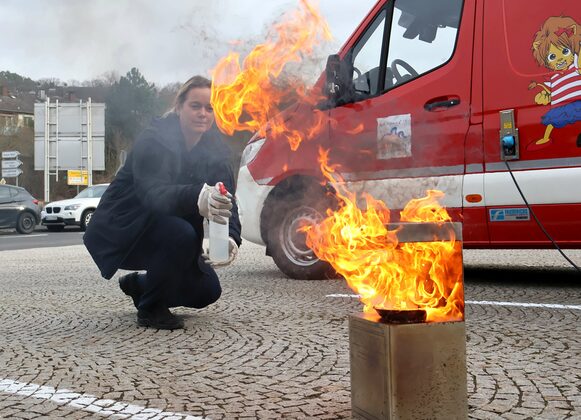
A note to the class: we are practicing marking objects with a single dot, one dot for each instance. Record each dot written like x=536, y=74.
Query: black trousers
x=176, y=275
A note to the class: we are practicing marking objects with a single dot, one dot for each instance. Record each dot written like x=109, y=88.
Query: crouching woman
x=151, y=216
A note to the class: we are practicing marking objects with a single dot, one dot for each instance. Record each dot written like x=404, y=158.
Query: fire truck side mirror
x=338, y=78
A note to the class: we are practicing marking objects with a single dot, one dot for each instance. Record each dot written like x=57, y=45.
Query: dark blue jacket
x=160, y=177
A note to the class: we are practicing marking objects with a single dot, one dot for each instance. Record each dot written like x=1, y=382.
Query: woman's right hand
x=213, y=205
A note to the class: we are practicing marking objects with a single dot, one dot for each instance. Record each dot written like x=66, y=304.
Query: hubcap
x=27, y=222
x=293, y=242
x=88, y=218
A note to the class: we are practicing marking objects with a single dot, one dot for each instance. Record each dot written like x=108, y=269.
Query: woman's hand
x=213, y=205
x=232, y=253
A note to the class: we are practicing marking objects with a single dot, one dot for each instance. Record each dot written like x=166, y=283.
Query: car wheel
x=57, y=228
x=86, y=219
x=288, y=247
x=25, y=223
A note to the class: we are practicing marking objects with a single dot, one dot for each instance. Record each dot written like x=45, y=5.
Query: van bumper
x=250, y=197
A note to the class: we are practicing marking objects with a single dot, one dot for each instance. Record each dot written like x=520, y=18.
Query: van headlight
x=251, y=151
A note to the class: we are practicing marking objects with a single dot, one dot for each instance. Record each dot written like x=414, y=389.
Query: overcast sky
x=167, y=40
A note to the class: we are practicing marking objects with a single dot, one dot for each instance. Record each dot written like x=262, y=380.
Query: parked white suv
x=76, y=211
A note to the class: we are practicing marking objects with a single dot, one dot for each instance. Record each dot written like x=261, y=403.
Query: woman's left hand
x=232, y=253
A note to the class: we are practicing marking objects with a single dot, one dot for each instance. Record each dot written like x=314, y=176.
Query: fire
x=250, y=96
x=385, y=273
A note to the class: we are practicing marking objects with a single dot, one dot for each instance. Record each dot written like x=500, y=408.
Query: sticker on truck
x=509, y=215
x=394, y=137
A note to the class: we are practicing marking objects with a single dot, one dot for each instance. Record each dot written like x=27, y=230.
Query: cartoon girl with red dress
x=556, y=46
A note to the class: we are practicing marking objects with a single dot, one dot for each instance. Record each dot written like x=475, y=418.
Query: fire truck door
x=403, y=130
x=532, y=120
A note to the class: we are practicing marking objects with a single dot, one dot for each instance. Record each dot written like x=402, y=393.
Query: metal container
x=403, y=368
x=407, y=371
x=427, y=232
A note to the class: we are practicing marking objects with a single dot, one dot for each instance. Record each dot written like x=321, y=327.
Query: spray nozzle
x=222, y=188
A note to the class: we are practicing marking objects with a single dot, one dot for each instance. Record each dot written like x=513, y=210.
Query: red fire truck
x=478, y=99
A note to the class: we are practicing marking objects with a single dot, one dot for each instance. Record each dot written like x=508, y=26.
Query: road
x=270, y=347
x=40, y=238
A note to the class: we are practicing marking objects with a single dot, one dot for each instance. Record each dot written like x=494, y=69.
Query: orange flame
x=249, y=97
x=385, y=273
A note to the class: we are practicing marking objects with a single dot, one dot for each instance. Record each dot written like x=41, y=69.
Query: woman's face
x=196, y=113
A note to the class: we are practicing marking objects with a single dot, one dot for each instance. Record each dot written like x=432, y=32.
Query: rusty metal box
x=407, y=371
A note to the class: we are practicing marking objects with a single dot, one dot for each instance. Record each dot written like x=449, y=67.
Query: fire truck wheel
x=288, y=246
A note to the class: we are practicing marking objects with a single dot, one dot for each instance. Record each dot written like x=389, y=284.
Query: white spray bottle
x=219, y=242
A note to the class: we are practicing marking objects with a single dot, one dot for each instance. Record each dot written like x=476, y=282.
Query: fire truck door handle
x=436, y=104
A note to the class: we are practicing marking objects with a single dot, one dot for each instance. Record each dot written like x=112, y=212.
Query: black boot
x=159, y=317
x=129, y=286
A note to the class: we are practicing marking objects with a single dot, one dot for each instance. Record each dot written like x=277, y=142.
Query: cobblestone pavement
x=270, y=347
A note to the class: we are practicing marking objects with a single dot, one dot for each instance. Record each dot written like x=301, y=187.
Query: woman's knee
x=178, y=234
x=206, y=291
x=214, y=293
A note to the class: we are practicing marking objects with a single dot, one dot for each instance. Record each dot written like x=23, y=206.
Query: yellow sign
x=77, y=177
x=2, y=181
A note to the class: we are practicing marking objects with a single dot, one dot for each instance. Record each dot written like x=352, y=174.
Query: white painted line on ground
x=493, y=303
x=525, y=305
x=90, y=403
x=26, y=236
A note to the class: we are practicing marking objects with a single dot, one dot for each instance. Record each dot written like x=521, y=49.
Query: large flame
x=250, y=96
x=385, y=273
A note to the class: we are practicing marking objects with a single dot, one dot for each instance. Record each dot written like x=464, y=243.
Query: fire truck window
x=367, y=58
x=423, y=37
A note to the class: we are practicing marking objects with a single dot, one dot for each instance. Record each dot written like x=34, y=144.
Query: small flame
x=249, y=97
x=387, y=274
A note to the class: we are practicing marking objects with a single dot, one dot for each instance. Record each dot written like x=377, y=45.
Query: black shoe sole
x=144, y=322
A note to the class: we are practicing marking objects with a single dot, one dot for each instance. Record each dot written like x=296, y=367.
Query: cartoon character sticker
x=556, y=46
x=394, y=136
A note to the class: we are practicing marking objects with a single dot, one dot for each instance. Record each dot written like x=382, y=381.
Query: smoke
x=167, y=41
x=216, y=47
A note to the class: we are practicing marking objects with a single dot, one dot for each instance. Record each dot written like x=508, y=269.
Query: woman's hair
x=194, y=83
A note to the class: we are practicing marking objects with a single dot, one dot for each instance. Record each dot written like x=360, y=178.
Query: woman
x=151, y=216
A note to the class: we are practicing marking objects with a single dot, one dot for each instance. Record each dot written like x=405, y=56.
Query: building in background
x=15, y=111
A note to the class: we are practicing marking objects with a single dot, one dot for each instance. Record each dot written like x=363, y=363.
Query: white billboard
x=66, y=134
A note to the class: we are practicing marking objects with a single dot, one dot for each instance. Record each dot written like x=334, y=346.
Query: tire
x=86, y=219
x=26, y=223
x=287, y=247
x=56, y=228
